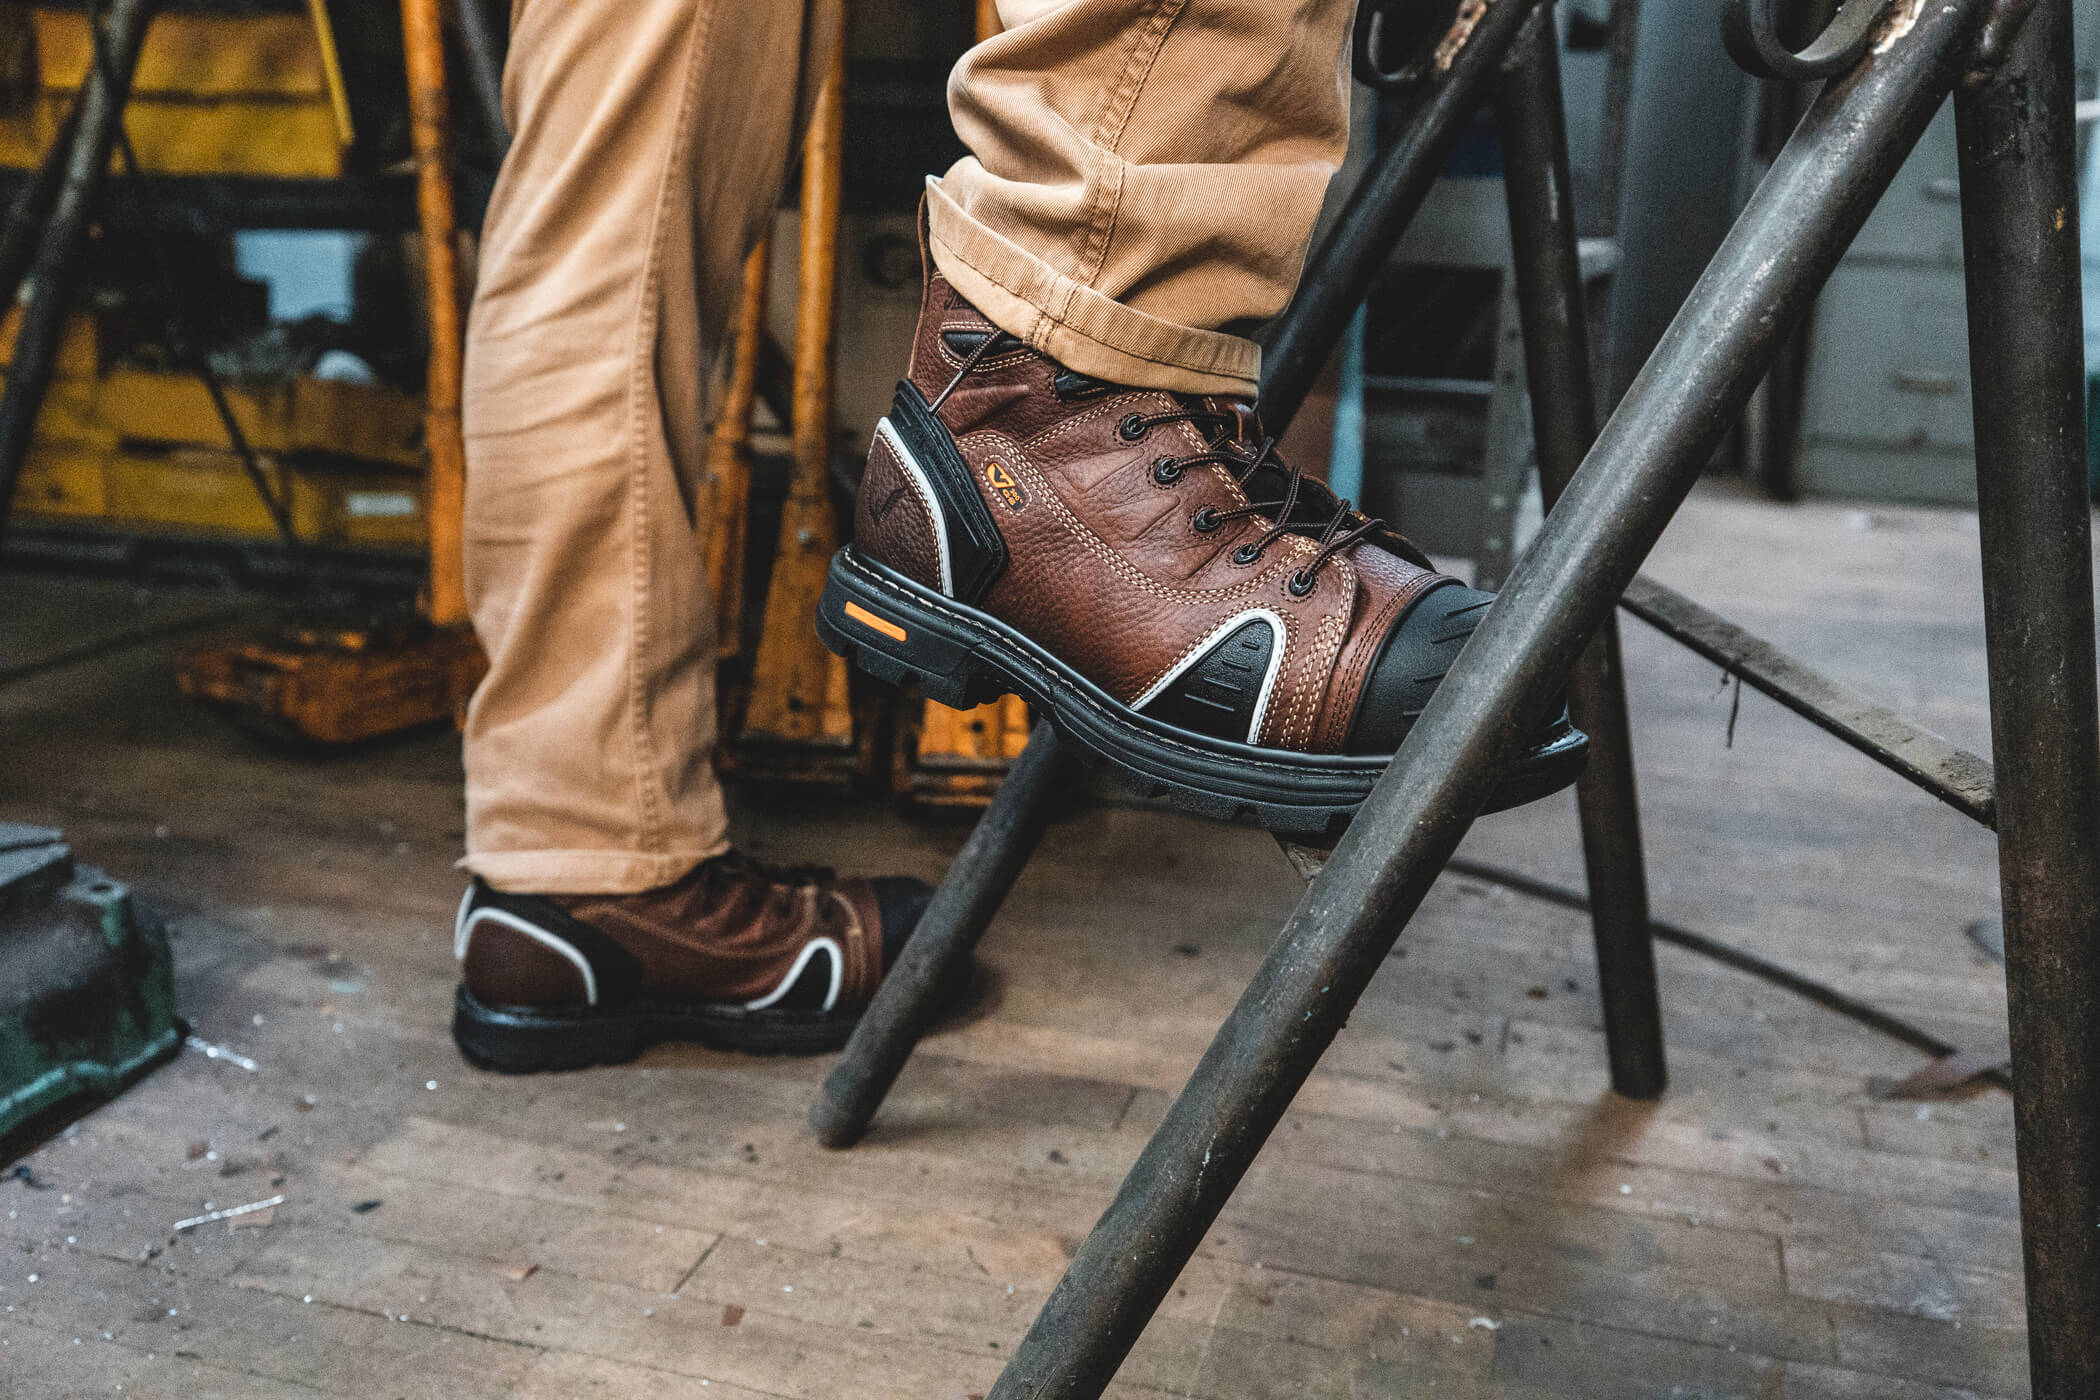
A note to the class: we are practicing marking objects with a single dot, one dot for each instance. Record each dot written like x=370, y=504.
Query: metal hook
x=1377, y=19
x=1746, y=27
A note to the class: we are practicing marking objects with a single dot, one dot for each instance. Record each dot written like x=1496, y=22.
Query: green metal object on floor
x=87, y=1002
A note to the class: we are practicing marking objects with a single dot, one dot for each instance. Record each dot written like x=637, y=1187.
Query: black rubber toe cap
x=900, y=901
x=1418, y=652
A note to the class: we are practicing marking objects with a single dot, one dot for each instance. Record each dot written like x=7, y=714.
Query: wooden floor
x=1456, y=1207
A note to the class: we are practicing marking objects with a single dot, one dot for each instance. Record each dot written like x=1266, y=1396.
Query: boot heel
x=512, y=1040
x=895, y=641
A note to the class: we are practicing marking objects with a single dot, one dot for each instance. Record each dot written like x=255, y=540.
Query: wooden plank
x=292, y=1346
x=766, y=1350
x=44, y=1364
x=1805, y=1382
x=568, y=1375
x=588, y=1241
x=1942, y=1289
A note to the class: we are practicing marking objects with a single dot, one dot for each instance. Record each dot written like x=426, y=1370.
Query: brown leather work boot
x=1141, y=567
x=736, y=955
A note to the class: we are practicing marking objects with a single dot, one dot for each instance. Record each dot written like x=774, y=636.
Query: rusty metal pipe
x=937, y=956
x=430, y=127
x=724, y=503
x=798, y=689
x=2020, y=228
x=1296, y=346
x=1552, y=305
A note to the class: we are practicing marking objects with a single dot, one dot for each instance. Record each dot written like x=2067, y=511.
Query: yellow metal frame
x=724, y=498
x=798, y=719
x=332, y=67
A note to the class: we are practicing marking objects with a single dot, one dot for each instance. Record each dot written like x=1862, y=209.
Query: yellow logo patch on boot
x=1004, y=486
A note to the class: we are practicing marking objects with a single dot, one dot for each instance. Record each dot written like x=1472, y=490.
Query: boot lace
x=1223, y=447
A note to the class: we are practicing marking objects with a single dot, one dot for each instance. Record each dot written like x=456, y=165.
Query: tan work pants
x=1143, y=180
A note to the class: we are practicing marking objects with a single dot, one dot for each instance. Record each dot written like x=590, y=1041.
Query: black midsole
x=532, y=1038
x=962, y=655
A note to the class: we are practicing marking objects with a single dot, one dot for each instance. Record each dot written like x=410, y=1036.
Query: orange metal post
x=422, y=36
x=798, y=688
x=724, y=504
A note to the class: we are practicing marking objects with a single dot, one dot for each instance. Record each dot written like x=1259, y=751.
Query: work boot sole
x=527, y=1040
x=899, y=630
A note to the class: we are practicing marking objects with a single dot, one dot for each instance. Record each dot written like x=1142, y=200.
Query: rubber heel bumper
x=898, y=643
x=899, y=630
x=517, y=1040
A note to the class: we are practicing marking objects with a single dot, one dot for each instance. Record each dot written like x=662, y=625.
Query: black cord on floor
x=1852, y=1007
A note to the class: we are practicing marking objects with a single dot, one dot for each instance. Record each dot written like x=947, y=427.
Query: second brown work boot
x=736, y=955
x=1141, y=566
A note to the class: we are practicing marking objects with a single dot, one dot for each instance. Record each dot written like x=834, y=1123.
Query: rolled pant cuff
x=1077, y=326
x=585, y=872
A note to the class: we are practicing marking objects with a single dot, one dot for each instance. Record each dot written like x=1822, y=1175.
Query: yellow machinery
x=143, y=451
x=339, y=682
x=314, y=681
x=212, y=94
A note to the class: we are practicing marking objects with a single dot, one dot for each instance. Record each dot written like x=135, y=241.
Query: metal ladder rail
x=2021, y=233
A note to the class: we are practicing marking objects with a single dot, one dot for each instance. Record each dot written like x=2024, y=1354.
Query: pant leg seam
x=1106, y=197
x=648, y=312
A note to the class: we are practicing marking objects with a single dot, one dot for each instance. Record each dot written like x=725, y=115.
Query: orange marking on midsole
x=881, y=624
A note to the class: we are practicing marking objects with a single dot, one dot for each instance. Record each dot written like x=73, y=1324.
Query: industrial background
x=233, y=653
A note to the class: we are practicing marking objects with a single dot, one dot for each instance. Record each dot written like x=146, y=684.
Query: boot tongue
x=1246, y=425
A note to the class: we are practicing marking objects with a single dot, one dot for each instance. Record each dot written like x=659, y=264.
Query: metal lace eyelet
x=1204, y=520
x=1245, y=554
x=1133, y=427
x=1301, y=584
x=1166, y=471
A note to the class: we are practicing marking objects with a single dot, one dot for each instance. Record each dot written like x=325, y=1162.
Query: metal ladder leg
x=2020, y=217
x=1761, y=282
x=1564, y=413
x=939, y=949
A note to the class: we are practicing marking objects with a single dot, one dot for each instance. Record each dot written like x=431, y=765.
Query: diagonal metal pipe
x=1762, y=281
x=94, y=130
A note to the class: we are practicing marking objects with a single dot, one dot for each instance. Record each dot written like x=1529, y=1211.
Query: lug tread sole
x=529, y=1040
x=963, y=658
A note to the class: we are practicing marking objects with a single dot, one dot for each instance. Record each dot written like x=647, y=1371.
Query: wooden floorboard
x=1455, y=1207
